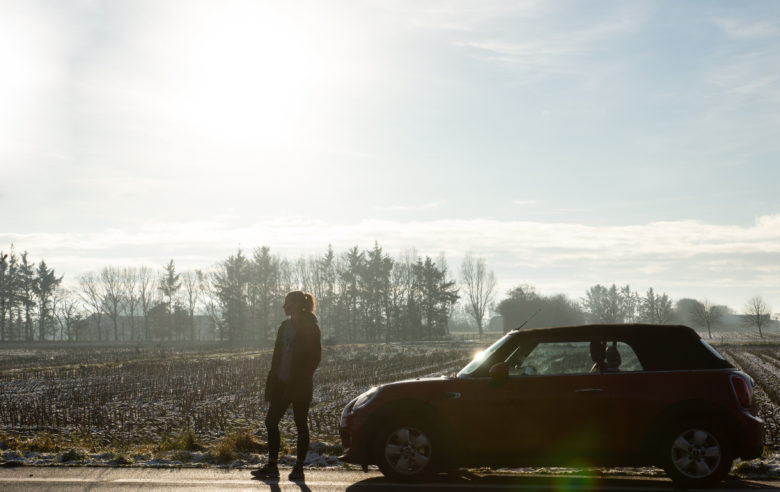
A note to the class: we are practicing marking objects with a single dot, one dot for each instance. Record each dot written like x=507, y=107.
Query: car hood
x=421, y=383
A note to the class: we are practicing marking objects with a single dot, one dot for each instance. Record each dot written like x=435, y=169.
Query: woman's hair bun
x=306, y=299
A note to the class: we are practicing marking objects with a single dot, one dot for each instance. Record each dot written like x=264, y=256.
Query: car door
x=555, y=390
x=629, y=398
x=602, y=411
x=539, y=410
x=481, y=413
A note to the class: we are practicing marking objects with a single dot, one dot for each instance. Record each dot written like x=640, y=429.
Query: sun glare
x=28, y=56
x=250, y=77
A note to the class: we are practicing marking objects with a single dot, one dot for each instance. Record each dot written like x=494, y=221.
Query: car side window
x=558, y=358
x=628, y=359
x=548, y=358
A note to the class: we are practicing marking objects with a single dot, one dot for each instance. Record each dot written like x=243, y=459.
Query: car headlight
x=365, y=398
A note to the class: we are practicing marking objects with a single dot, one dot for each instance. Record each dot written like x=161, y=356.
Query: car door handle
x=453, y=395
x=589, y=390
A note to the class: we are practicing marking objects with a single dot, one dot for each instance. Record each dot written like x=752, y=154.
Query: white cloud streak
x=523, y=203
x=411, y=208
x=538, y=47
x=742, y=29
x=685, y=258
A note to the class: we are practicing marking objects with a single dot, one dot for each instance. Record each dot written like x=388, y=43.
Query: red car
x=594, y=395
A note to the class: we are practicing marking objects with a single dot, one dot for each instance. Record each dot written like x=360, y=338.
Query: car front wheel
x=406, y=450
x=696, y=456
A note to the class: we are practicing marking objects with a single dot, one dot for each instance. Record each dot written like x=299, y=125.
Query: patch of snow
x=159, y=462
x=314, y=459
x=759, y=468
x=764, y=468
x=12, y=455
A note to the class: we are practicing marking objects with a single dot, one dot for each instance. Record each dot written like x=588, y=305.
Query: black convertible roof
x=658, y=347
x=633, y=330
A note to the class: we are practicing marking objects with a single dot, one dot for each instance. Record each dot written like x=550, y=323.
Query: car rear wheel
x=406, y=450
x=696, y=456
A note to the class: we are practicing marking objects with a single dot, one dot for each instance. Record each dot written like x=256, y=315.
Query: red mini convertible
x=594, y=395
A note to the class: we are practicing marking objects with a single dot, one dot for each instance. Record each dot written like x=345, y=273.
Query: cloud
x=522, y=203
x=542, y=44
x=685, y=258
x=466, y=16
x=411, y=208
x=742, y=29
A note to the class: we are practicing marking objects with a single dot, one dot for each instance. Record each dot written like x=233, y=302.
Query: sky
x=568, y=143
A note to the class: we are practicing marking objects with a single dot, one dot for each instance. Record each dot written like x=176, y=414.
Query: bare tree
x=400, y=283
x=112, y=296
x=212, y=303
x=286, y=277
x=706, y=314
x=480, y=288
x=146, y=289
x=192, y=282
x=302, y=273
x=324, y=287
x=92, y=295
x=67, y=312
x=129, y=281
x=756, y=313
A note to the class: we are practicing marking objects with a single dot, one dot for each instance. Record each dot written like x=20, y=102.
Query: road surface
x=27, y=478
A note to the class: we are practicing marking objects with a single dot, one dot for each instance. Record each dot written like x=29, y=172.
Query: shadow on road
x=472, y=482
x=273, y=484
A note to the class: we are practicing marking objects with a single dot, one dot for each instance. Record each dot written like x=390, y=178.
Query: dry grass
x=185, y=441
x=241, y=441
x=41, y=443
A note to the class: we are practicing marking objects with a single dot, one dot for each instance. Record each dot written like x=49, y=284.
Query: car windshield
x=481, y=356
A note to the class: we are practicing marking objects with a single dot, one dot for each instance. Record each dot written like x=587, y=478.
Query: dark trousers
x=300, y=415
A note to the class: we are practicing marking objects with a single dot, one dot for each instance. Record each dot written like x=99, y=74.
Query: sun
x=250, y=76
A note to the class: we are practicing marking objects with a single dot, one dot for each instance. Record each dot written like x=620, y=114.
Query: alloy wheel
x=696, y=453
x=408, y=450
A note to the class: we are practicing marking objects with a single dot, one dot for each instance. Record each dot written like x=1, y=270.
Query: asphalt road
x=149, y=479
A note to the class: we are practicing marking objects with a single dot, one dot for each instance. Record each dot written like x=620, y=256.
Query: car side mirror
x=499, y=372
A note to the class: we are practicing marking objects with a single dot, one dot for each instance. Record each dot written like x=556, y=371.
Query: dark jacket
x=306, y=352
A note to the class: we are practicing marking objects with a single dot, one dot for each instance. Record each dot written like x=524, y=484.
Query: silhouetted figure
x=290, y=381
x=605, y=358
x=597, y=354
x=613, y=358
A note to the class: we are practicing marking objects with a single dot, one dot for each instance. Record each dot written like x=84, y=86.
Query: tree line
x=27, y=293
x=621, y=304
x=362, y=296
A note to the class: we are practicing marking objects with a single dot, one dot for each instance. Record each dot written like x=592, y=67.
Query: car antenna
x=529, y=319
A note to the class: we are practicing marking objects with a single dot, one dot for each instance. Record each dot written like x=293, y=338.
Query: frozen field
x=123, y=402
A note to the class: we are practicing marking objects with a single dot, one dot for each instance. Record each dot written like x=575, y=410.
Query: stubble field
x=130, y=400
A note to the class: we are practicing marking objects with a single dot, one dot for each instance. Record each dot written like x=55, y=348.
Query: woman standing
x=296, y=357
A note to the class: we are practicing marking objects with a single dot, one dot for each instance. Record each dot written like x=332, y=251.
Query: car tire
x=696, y=455
x=408, y=450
